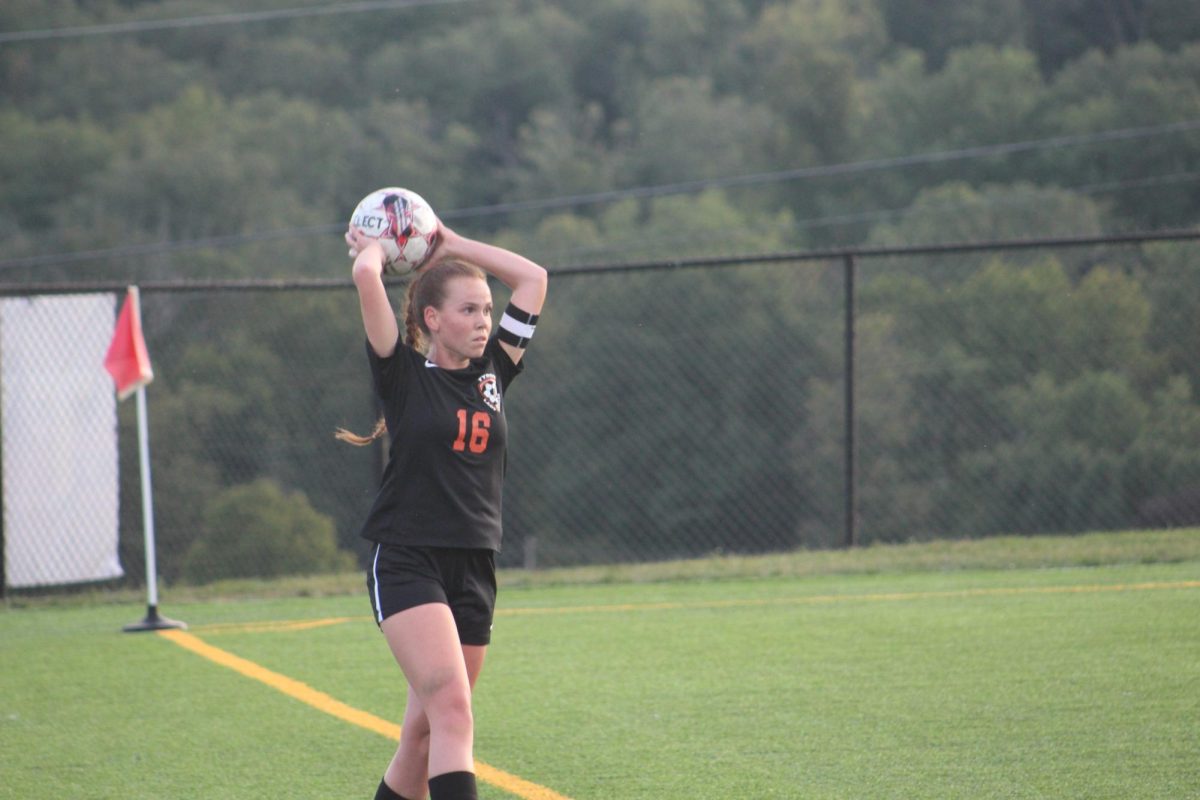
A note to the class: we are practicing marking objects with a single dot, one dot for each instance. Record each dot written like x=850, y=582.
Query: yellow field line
x=519, y=786
x=323, y=702
x=277, y=626
x=824, y=599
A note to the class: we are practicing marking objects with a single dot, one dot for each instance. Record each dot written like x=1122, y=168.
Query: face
x=460, y=327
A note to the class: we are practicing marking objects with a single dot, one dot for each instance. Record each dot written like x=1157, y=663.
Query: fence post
x=849, y=476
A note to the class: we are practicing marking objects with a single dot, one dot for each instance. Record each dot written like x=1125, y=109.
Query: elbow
x=538, y=284
x=365, y=273
x=540, y=278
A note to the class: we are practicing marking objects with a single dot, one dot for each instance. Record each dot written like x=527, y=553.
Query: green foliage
x=983, y=94
x=1008, y=400
x=561, y=153
x=685, y=132
x=215, y=130
x=1173, y=282
x=711, y=400
x=938, y=27
x=294, y=66
x=257, y=529
x=134, y=79
x=957, y=212
x=1132, y=87
x=1066, y=29
x=42, y=166
x=977, y=371
x=801, y=60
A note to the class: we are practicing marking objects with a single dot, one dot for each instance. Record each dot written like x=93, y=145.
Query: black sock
x=384, y=792
x=453, y=786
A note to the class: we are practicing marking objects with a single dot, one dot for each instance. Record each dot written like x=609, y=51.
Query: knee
x=453, y=709
x=447, y=701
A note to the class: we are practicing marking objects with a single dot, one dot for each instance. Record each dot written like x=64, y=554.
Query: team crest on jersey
x=490, y=389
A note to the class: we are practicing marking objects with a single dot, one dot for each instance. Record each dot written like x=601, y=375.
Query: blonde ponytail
x=362, y=441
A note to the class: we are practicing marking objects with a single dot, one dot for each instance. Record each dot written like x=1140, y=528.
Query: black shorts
x=402, y=577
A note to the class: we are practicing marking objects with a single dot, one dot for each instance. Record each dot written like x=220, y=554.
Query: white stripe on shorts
x=375, y=576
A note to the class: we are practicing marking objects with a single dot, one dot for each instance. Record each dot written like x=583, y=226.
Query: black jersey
x=442, y=483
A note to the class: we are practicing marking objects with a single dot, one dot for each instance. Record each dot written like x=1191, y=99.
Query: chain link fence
x=678, y=410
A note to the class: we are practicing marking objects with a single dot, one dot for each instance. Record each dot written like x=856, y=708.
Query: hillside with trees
x=241, y=129
x=160, y=140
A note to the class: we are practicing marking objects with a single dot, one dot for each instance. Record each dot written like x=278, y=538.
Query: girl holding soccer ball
x=435, y=521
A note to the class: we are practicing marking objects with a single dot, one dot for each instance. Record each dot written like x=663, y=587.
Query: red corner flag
x=127, y=360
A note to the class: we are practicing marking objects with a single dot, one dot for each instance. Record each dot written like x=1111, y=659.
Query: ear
x=431, y=319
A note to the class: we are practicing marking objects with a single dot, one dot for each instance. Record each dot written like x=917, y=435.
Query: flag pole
x=153, y=621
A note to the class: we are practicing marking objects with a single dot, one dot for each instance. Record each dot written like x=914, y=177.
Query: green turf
x=896, y=685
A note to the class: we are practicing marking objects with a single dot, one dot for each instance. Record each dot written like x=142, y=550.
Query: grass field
x=932, y=679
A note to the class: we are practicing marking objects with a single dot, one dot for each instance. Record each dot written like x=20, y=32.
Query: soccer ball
x=403, y=223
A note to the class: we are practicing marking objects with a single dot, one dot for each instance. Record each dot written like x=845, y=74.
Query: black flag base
x=154, y=622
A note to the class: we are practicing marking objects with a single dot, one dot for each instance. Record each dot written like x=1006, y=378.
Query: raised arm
x=379, y=319
x=526, y=279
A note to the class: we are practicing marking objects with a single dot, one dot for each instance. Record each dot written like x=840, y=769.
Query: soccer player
x=436, y=518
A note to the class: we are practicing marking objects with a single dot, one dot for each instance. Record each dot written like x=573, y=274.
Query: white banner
x=59, y=419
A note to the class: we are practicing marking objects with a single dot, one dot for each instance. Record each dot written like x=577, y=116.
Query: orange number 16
x=480, y=423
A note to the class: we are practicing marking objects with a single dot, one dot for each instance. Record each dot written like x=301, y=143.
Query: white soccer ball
x=402, y=222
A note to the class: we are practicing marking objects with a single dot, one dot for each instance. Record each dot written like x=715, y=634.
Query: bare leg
x=441, y=674
x=408, y=772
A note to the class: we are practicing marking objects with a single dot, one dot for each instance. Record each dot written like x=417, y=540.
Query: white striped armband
x=517, y=326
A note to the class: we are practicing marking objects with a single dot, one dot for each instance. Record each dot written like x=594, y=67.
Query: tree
x=562, y=153
x=1065, y=30
x=1064, y=472
x=894, y=496
x=1134, y=87
x=181, y=175
x=1162, y=468
x=42, y=167
x=293, y=66
x=1172, y=23
x=801, y=59
x=634, y=42
x=106, y=78
x=259, y=530
x=559, y=240
x=1000, y=402
x=937, y=27
x=489, y=75
x=957, y=212
x=22, y=64
x=1173, y=286
x=983, y=94
x=682, y=131
x=630, y=349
